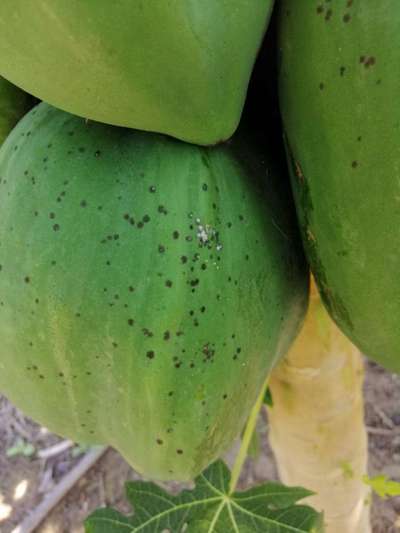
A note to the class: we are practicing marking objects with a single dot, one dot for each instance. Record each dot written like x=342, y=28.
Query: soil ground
x=25, y=480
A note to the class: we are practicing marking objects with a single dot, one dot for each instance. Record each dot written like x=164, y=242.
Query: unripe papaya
x=339, y=87
x=179, y=67
x=147, y=286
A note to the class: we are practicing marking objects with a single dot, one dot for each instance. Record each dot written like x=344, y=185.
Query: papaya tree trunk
x=317, y=429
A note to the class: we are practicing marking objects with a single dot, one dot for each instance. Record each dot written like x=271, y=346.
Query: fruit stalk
x=317, y=429
x=246, y=439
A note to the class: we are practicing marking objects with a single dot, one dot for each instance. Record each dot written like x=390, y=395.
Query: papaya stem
x=246, y=439
x=316, y=425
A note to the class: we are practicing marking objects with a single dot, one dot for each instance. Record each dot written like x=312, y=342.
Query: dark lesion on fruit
x=331, y=299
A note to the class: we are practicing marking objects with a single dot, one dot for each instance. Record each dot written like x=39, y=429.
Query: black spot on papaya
x=369, y=62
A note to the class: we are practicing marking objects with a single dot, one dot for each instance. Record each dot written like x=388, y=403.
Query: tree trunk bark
x=317, y=429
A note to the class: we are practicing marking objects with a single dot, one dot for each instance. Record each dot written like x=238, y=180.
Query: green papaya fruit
x=14, y=103
x=147, y=286
x=179, y=67
x=339, y=85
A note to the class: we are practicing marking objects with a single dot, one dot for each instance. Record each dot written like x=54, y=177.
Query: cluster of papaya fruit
x=151, y=274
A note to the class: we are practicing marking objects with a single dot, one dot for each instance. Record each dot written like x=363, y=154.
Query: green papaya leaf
x=209, y=508
x=383, y=486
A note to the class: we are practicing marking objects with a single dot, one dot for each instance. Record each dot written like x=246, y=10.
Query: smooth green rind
x=179, y=67
x=147, y=287
x=14, y=103
x=339, y=87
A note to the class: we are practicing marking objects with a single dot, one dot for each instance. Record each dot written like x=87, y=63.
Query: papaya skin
x=339, y=87
x=178, y=67
x=147, y=287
